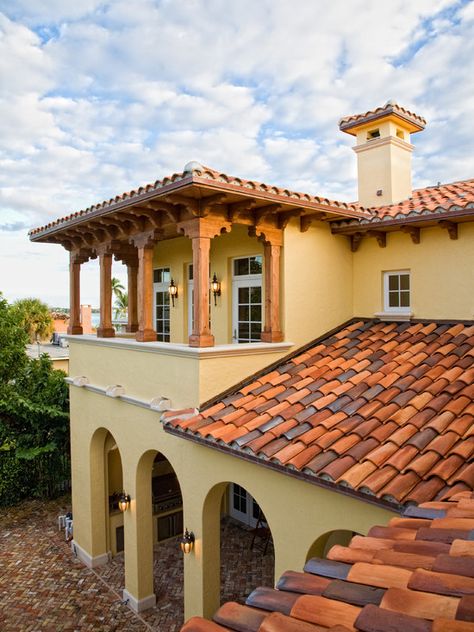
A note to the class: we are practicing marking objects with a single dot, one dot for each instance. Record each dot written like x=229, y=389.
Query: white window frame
x=161, y=287
x=395, y=310
x=245, y=280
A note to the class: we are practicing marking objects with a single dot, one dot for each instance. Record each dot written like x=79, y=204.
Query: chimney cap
x=350, y=124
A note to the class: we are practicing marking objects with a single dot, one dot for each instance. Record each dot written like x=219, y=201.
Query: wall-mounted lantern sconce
x=187, y=542
x=173, y=290
x=124, y=501
x=216, y=288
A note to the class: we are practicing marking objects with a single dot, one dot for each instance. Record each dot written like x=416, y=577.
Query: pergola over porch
x=200, y=204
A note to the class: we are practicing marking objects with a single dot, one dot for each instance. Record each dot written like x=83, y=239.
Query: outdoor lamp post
x=187, y=542
x=216, y=288
x=124, y=501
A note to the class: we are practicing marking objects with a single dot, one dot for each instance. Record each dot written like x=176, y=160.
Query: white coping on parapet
x=182, y=350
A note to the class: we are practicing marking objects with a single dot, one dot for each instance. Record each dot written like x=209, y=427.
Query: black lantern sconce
x=187, y=542
x=173, y=290
x=216, y=288
x=123, y=501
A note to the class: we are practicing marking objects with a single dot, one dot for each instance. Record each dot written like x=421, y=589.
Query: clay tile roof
x=195, y=173
x=404, y=439
x=409, y=577
x=389, y=109
x=427, y=204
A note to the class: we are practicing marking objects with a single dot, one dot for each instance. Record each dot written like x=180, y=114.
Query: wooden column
x=132, y=274
x=272, y=239
x=145, y=244
x=201, y=336
x=75, y=261
x=105, y=329
x=201, y=230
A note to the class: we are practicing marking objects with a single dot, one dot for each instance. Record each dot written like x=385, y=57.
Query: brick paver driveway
x=43, y=587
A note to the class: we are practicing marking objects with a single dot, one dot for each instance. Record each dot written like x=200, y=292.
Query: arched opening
x=247, y=557
x=323, y=544
x=167, y=517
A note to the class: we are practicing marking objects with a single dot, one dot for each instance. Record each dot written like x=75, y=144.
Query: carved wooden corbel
x=355, y=240
x=451, y=227
x=380, y=236
x=413, y=231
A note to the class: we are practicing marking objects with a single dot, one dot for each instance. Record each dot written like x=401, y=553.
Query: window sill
x=395, y=316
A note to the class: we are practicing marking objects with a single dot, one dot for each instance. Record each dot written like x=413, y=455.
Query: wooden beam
x=307, y=220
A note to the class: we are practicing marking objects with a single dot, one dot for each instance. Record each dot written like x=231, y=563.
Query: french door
x=161, y=303
x=242, y=506
x=247, y=299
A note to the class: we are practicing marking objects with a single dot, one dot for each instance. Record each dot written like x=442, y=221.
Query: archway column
x=89, y=489
x=138, y=536
x=202, y=573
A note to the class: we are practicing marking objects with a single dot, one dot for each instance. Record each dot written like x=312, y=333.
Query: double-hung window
x=397, y=291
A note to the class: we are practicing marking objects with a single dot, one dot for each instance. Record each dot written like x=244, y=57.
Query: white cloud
x=100, y=97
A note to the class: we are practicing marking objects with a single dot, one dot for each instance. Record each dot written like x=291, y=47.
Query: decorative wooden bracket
x=198, y=208
x=146, y=239
x=413, y=231
x=451, y=227
x=380, y=236
x=259, y=214
x=267, y=234
x=284, y=218
x=307, y=220
x=235, y=210
x=355, y=240
x=209, y=227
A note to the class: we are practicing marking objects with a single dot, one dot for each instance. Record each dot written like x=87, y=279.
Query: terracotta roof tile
x=385, y=409
x=380, y=583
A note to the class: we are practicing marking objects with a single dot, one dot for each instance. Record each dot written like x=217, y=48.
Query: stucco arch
x=323, y=543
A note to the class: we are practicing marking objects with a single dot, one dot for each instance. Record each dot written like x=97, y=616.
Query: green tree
x=121, y=305
x=35, y=318
x=121, y=298
x=34, y=418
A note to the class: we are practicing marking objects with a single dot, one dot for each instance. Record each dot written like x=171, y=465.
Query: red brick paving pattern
x=44, y=588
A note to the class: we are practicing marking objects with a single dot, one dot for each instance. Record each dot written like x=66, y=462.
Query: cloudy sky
x=97, y=98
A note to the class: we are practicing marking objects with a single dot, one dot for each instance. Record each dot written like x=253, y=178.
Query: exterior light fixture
x=173, y=290
x=187, y=542
x=216, y=288
x=123, y=501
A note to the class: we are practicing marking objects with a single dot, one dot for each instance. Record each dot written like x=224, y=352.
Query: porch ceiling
x=197, y=192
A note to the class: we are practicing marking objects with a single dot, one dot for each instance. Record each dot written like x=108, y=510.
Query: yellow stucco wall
x=298, y=512
x=146, y=373
x=316, y=282
x=442, y=273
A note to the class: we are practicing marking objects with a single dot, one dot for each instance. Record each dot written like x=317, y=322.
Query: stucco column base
x=75, y=330
x=146, y=335
x=139, y=605
x=201, y=340
x=105, y=332
x=271, y=336
x=88, y=560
